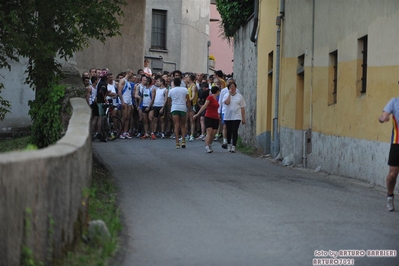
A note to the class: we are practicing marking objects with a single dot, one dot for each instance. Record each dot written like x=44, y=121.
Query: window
x=333, y=78
x=270, y=64
x=158, y=33
x=362, y=72
x=301, y=65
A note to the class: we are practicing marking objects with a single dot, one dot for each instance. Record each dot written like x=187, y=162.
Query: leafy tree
x=43, y=30
x=234, y=14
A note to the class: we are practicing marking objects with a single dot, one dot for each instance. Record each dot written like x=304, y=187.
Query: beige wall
x=121, y=52
x=195, y=35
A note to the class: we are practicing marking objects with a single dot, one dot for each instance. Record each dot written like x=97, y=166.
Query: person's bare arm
x=88, y=93
x=384, y=117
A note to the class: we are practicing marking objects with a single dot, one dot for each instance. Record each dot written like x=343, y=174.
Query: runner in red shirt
x=212, y=117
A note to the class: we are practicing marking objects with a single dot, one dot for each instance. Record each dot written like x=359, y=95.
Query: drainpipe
x=308, y=133
x=207, y=57
x=276, y=134
x=254, y=36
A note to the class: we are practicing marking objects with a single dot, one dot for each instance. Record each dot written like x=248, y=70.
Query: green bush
x=45, y=112
x=234, y=14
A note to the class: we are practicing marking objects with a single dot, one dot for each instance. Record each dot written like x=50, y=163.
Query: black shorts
x=94, y=109
x=143, y=108
x=157, y=113
x=211, y=122
x=393, y=159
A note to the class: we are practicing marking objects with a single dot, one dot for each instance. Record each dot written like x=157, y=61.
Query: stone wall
x=41, y=193
x=245, y=75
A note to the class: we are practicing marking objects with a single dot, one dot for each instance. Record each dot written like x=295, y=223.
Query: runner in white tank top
x=160, y=105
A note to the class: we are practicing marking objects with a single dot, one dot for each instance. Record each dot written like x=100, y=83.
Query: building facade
x=338, y=67
x=176, y=35
x=120, y=52
x=220, y=48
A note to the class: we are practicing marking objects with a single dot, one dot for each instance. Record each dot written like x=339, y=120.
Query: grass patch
x=102, y=206
x=246, y=149
x=16, y=144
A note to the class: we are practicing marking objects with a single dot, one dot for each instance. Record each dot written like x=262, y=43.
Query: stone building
x=177, y=34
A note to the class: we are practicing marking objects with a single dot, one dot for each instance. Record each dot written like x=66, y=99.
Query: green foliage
x=234, y=14
x=43, y=30
x=45, y=112
x=27, y=258
x=7, y=145
x=4, y=104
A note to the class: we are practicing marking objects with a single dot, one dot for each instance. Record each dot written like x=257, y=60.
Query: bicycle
x=111, y=126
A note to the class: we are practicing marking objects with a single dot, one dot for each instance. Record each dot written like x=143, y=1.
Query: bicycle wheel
x=115, y=128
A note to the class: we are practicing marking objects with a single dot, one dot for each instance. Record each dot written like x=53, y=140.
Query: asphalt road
x=186, y=207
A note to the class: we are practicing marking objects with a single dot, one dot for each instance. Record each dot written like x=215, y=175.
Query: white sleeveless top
x=160, y=97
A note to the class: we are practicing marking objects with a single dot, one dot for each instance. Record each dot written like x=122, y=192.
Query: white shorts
x=128, y=101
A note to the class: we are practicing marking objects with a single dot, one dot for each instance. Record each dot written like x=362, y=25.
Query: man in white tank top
x=147, y=94
x=125, y=96
x=160, y=101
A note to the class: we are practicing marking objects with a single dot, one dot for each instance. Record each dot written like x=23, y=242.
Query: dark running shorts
x=393, y=159
x=143, y=108
x=211, y=122
x=156, y=111
x=94, y=109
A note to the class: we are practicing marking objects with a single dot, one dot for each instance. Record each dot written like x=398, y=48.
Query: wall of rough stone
x=41, y=193
x=245, y=75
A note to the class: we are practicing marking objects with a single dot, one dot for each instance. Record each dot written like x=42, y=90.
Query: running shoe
x=207, y=150
x=177, y=145
x=233, y=149
x=145, y=136
x=183, y=144
x=153, y=136
x=224, y=145
x=210, y=147
x=127, y=135
x=229, y=147
x=173, y=136
x=191, y=138
x=162, y=135
x=216, y=137
x=138, y=135
x=390, y=207
x=187, y=136
x=121, y=136
x=201, y=137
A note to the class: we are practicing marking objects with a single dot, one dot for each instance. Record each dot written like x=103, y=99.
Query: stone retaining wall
x=42, y=207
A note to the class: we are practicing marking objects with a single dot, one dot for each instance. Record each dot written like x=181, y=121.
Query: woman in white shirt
x=234, y=115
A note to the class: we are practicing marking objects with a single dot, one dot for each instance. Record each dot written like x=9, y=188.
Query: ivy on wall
x=234, y=14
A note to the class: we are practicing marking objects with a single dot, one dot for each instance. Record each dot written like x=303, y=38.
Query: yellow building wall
x=268, y=11
x=355, y=114
x=346, y=134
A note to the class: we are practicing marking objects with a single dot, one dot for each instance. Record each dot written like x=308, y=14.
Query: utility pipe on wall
x=276, y=133
x=254, y=36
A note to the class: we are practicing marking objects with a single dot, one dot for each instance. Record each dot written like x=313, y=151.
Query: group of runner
x=185, y=106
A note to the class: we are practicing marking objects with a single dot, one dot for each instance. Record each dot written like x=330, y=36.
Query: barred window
x=158, y=33
x=363, y=43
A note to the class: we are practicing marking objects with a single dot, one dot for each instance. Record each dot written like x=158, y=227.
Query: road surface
x=187, y=207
